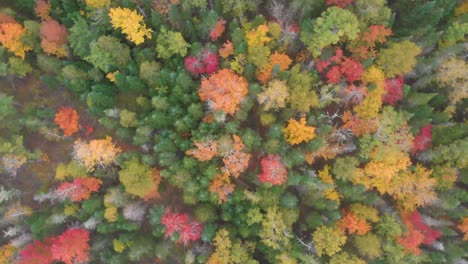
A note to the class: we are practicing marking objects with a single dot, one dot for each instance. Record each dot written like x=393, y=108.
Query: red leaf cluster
x=273, y=170
x=422, y=140
x=42, y=9
x=207, y=62
x=338, y=3
x=394, y=91
x=70, y=247
x=217, y=30
x=341, y=66
x=175, y=222
x=67, y=119
x=37, y=252
x=80, y=189
x=418, y=233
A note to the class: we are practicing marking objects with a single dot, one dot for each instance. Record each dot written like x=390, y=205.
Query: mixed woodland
x=233, y=131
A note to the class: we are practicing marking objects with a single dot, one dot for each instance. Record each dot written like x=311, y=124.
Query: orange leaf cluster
x=226, y=50
x=10, y=36
x=224, y=91
x=204, y=151
x=363, y=46
x=156, y=175
x=358, y=125
x=42, y=9
x=236, y=161
x=67, y=119
x=222, y=185
x=280, y=59
x=297, y=131
x=164, y=6
x=54, y=38
x=463, y=226
x=352, y=224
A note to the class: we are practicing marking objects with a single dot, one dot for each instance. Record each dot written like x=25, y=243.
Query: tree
x=42, y=9
x=417, y=233
x=10, y=37
x=81, y=37
x=107, y=53
x=364, y=45
x=71, y=246
x=54, y=38
x=98, y=152
x=274, y=232
x=352, y=224
x=190, y=232
x=274, y=96
x=224, y=90
x=451, y=74
x=222, y=185
x=78, y=190
x=175, y=222
x=38, y=252
x=394, y=62
x=370, y=107
x=338, y=3
x=97, y=3
x=131, y=24
x=328, y=240
x=334, y=24
x=422, y=140
x=372, y=12
x=205, y=150
x=67, y=119
x=394, y=91
x=205, y=63
x=137, y=178
x=7, y=252
x=235, y=159
x=277, y=61
x=463, y=227
x=171, y=43
x=297, y=131
x=223, y=245
x=273, y=170
x=217, y=30
x=344, y=257
x=302, y=94
x=368, y=246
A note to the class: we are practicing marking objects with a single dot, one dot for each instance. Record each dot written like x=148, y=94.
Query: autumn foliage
x=205, y=63
x=205, y=150
x=217, y=30
x=10, y=37
x=42, y=9
x=98, y=152
x=223, y=90
x=176, y=222
x=418, y=233
x=131, y=24
x=297, y=131
x=67, y=119
x=273, y=170
x=422, y=140
x=54, y=38
x=340, y=66
x=71, y=246
x=37, y=252
x=79, y=189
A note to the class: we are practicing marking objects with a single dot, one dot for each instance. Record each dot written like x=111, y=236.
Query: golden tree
x=98, y=152
x=131, y=24
x=297, y=131
x=10, y=38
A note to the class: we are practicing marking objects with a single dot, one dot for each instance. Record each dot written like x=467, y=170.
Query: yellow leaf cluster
x=111, y=76
x=369, y=107
x=330, y=193
x=98, y=152
x=97, y=3
x=10, y=38
x=131, y=24
x=274, y=96
x=111, y=214
x=373, y=75
x=7, y=252
x=297, y=131
x=118, y=246
x=257, y=37
x=328, y=240
x=223, y=246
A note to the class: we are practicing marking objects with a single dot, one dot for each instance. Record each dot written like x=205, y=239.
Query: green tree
x=333, y=25
x=368, y=245
x=372, y=12
x=328, y=240
x=171, y=43
x=128, y=118
x=302, y=92
x=81, y=37
x=274, y=232
x=108, y=53
x=394, y=62
x=137, y=178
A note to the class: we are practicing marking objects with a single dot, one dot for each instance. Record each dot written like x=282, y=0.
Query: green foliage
x=368, y=245
x=302, y=93
x=333, y=25
x=108, y=54
x=137, y=178
x=18, y=67
x=395, y=63
x=171, y=43
x=81, y=36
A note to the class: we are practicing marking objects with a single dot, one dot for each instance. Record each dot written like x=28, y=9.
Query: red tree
x=207, y=62
x=273, y=170
x=341, y=66
x=71, y=246
x=190, y=232
x=418, y=233
x=422, y=140
x=54, y=37
x=217, y=30
x=79, y=189
x=67, y=119
x=338, y=3
x=37, y=252
x=173, y=222
x=394, y=91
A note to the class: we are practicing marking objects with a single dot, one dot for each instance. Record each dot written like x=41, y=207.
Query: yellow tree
x=131, y=24
x=297, y=131
x=98, y=152
x=10, y=38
